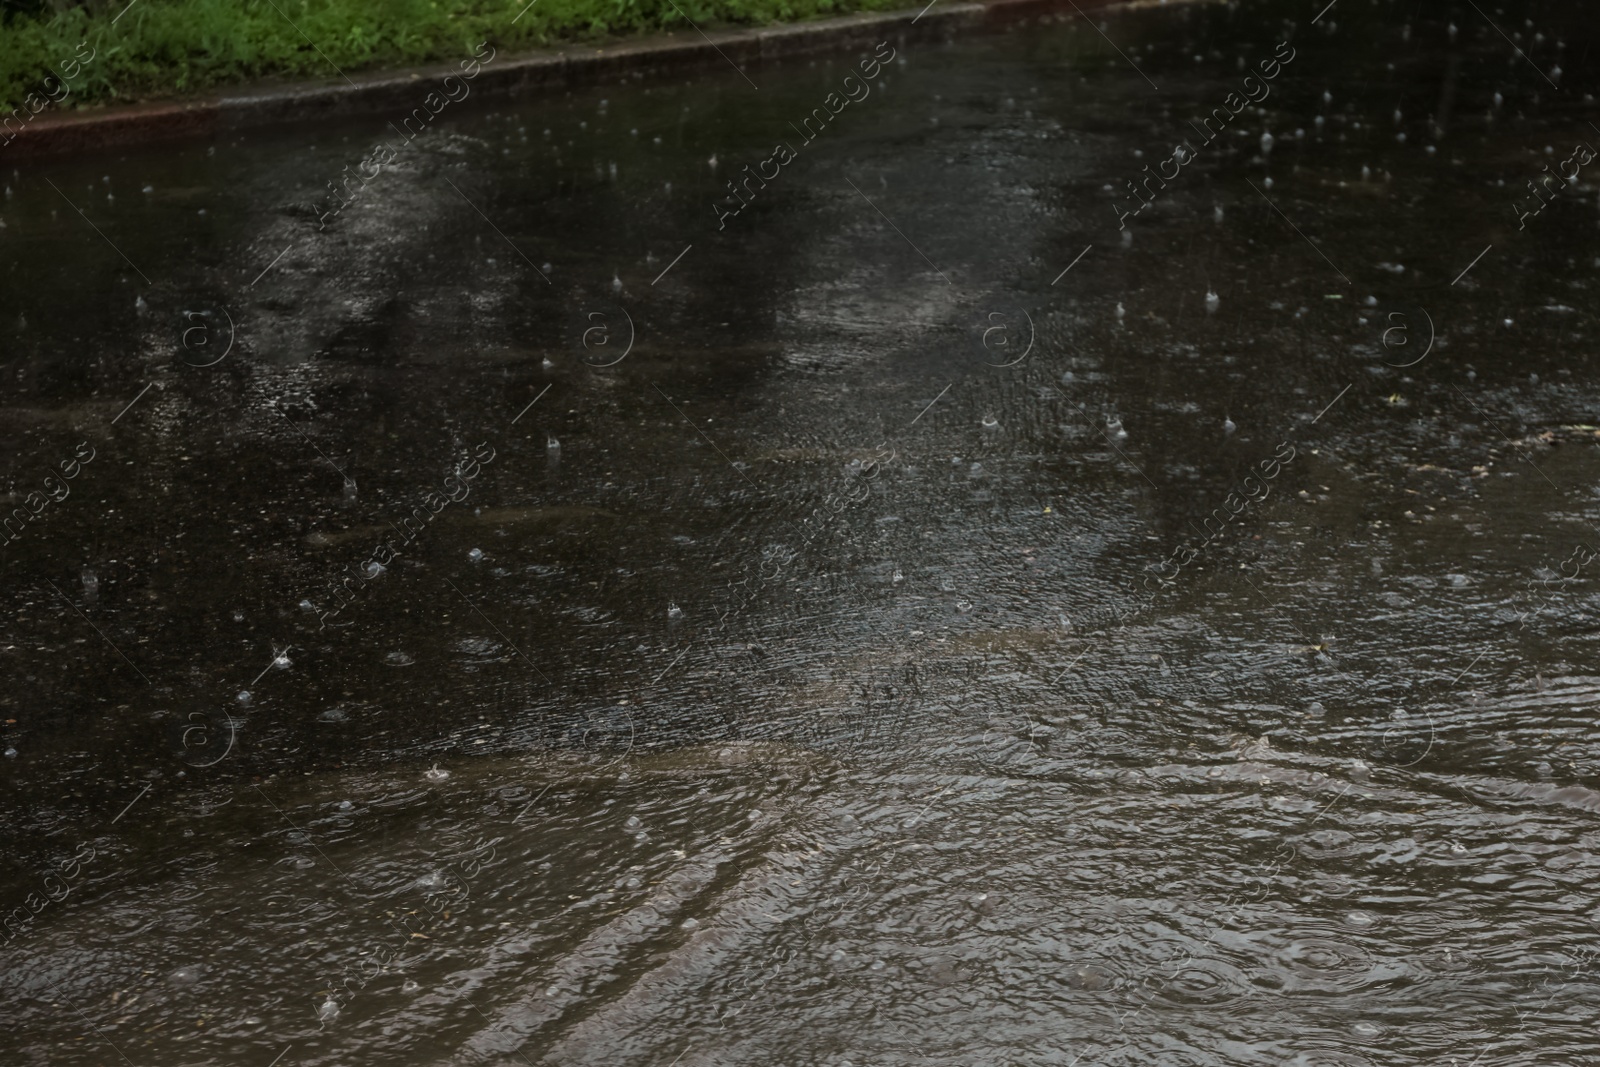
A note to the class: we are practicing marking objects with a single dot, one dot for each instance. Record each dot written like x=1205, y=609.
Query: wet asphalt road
x=921, y=607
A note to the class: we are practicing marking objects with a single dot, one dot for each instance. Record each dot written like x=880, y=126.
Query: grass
x=158, y=48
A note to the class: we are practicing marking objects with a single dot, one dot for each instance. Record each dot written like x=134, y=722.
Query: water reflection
x=883, y=640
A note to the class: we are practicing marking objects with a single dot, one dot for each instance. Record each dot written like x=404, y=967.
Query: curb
x=528, y=73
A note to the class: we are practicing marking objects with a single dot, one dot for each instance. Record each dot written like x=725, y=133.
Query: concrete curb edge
x=55, y=134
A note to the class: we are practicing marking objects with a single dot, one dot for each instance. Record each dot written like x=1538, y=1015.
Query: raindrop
x=281, y=661
x=632, y=823
x=244, y=698
x=1114, y=427
x=91, y=584
x=991, y=423
x=328, y=1010
x=409, y=986
x=1228, y=427
x=1266, y=143
x=898, y=577
x=551, y=444
x=11, y=753
x=1216, y=213
x=1212, y=301
x=616, y=282
x=434, y=774
x=188, y=975
x=476, y=555
x=374, y=568
x=349, y=491
x=1121, y=311
x=712, y=162
x=140, y=306
x=674, y=612
x=307, y=606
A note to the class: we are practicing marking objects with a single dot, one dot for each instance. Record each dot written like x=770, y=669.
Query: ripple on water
x=1327, y=844
x=1211, y=983
x=1435, y=938
x=1319, y=957
x=1314, y=1053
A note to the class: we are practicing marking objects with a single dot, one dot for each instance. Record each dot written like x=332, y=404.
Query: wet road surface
x=921, y=607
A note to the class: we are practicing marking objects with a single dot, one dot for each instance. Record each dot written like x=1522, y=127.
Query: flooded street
x=1046, y=567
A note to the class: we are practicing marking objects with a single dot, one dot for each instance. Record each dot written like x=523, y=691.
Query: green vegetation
x=171, y=47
